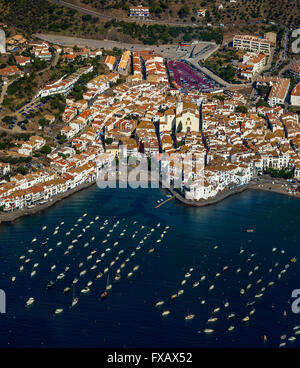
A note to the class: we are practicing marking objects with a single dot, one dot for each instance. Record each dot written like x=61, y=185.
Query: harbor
x=76, y=265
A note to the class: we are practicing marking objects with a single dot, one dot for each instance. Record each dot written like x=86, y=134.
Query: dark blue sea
x=122, y=229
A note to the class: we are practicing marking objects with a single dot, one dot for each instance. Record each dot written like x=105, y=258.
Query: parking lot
x=190, y=79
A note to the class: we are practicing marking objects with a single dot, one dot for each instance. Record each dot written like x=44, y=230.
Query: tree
x=46, y=150
x=22, y=170
x=242, y=109
x=108, y=141
x=179, y=127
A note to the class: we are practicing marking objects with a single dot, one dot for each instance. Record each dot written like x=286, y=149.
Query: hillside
x=31, y=16
x=284, y=12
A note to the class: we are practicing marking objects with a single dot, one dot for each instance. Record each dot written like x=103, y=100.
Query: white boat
x=60, y=276
x=242, y=291
x=212, y=320
x=93, y=267
x=246, y=319
x=208, y=330
x=216, y=310
x=226, y=305
x=53, y=267
x=67, y=289
x=135, y=268
x=203, y=278
x=33, y=273
x=99, y=275
x=82, y=273
x=30, y=251
x=159, y=303
x=44, y=227
x=165, y=313
x=187, y=274
x=13, y=279
x=230, y=328
x=75, y=281
x=33, y=240
x=58, y=311
x=231, y=315
x=85, y=290
x=29, y=302
x=180, y=292
x=21, y=268
x=130, y=274
x=195, y=284
x=59, y=243
x=189, y=317
x=90, y=283
x=211, y=287
x=292, y=338
x=258, y=295
x=80, y=264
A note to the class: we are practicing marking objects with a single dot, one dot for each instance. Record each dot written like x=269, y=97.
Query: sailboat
x=108, y=287
x=74, y=300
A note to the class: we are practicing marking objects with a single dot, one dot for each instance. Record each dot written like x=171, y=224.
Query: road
x=283, y=53
x=168, y=51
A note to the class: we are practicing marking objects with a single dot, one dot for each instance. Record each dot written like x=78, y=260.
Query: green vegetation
x=155, y=33
x=225, y=72
x=15, y=160
x=108, y=141
x=279, y=173
x=22, y=170
x=242, y=109
x=61, y=138
x=45, y=150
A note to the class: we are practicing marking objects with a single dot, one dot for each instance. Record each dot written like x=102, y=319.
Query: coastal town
x=141, y=102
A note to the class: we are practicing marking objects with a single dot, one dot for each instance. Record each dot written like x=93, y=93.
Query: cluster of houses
x=211, y=145
x=64, y=85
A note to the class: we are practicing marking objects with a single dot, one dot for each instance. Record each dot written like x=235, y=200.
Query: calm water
x=205, y=239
